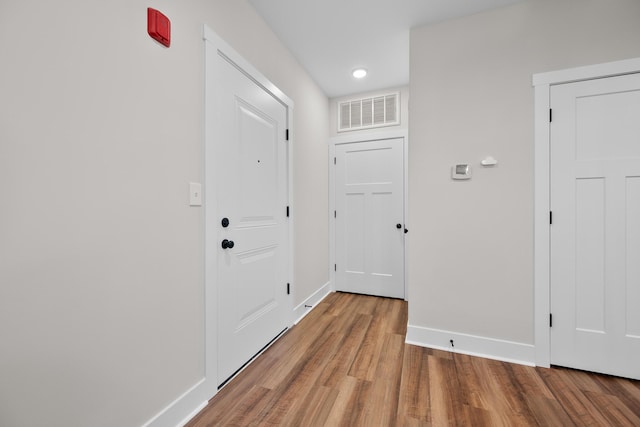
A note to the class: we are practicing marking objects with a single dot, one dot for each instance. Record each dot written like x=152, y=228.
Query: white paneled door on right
x=595, y=231
x=369, y=192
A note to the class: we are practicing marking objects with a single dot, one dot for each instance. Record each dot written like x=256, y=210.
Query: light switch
x=195, y=194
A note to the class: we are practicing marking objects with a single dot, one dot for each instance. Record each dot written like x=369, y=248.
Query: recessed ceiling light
x=359, y=73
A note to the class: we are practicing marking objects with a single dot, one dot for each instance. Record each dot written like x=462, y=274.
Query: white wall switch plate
x=195, y=194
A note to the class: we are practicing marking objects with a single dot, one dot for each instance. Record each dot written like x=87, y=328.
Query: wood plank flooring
x=346, y=364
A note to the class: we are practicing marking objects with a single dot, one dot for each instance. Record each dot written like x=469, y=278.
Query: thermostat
x=462, y=171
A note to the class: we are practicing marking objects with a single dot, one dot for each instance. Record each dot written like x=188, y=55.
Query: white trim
x=193, y=414
x=541, y=226
x=473, y=345
x=406, y=216
x=330, y=213
x=369, y=136
x=588, y=72
x=183, y=409
x=308, y=304
x=366, y=137
x=292, y=212
x=223, y=47
x=542, y=85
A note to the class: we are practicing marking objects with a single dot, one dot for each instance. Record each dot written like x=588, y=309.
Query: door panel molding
x=542, y=88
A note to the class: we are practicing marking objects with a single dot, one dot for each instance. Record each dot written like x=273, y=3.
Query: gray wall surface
x=471, y=242
x=101, y=258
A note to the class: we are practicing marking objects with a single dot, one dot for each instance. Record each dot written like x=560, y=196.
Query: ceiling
x=330, y=38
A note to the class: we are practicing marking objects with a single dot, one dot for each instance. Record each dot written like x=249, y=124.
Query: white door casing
x=595, y=234
x=369, y=217
x=247, y=169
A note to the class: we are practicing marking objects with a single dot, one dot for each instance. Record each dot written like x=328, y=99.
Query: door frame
x=362, y=138
x=214, y=45
x=542, y=83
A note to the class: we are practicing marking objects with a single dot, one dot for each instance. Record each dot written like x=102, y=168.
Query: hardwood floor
x=346, y=364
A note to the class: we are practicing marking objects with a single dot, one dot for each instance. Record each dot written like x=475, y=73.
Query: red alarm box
x=159, y=26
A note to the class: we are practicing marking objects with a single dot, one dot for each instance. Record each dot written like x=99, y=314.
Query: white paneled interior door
x=250, y=177
x=369, y=217
x=595, y=231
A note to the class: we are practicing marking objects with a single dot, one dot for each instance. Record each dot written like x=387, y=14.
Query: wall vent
x=371, y=112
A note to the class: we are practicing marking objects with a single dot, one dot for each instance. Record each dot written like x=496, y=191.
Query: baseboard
x=193, y=414
x=490, y=348
x=305, y=307
x=184, y=408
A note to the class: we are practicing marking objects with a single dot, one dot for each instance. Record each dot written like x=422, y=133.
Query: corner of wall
x=302, y=309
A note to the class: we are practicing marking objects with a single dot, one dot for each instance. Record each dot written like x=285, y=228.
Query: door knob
x=225, y=222
x=227, y=244
x=398, y=226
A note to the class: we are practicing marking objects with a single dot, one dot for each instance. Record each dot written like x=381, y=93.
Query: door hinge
x=335, y=214
x=334, y=160
x=287, y=211
x=550, y=217
x=550, y=115
x=286, y=134
x=550, y=320
x=335, y=267
x=288, y=289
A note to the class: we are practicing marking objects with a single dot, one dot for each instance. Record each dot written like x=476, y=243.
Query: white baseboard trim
x=193, y=414
x=183, y=409
x=305, y=307
x=472, y=345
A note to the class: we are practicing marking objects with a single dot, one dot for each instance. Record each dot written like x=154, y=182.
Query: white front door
x=595, y=231
x=369, y=192
x=250, y=178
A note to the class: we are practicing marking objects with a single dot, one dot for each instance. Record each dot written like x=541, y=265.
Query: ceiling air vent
x=365, y=113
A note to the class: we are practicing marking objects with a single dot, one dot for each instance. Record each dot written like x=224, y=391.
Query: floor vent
x=365, y=113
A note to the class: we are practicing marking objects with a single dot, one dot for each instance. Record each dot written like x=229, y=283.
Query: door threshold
x=262, y=350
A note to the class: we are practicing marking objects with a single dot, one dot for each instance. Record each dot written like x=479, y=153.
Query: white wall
x=471, y=242
x=101, y=258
